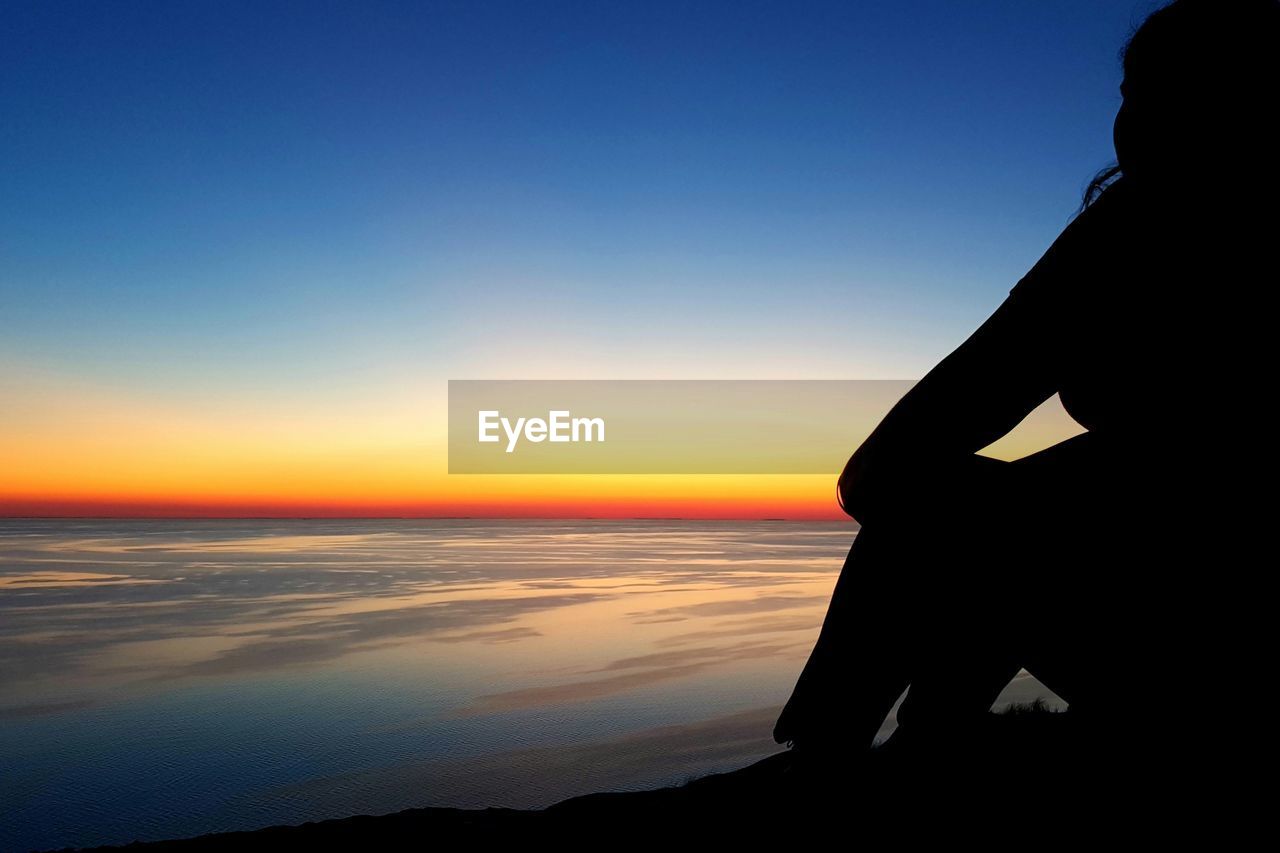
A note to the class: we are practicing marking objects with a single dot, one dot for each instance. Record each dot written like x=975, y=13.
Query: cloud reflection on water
x=230, y=598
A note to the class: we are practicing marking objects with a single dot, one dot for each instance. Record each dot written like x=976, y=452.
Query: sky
x=244, y=246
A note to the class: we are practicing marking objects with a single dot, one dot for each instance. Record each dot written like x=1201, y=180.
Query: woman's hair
x=1199, y=51
x=1099, y=184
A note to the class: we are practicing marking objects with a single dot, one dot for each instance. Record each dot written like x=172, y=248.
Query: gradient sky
x=244, y=245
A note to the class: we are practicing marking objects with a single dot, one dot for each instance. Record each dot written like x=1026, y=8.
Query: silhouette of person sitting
x=1113, y=566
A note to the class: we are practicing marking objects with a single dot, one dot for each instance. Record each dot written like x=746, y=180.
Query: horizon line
x=64, y=517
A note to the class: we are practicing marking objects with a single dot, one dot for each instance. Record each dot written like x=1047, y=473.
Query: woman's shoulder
x=1085, y=248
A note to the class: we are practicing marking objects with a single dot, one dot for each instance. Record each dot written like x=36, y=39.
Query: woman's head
x=1201, y=82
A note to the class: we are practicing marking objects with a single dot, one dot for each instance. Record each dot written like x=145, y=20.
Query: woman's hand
x=958, y=484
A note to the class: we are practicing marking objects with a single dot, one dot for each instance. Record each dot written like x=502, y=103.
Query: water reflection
x=165, y=678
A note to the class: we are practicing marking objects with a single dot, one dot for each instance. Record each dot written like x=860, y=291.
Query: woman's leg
x=962, y=640
x=929, y=603
x=854, y=673
x=914, y=604
x=1068, y=562
x=1047, y=587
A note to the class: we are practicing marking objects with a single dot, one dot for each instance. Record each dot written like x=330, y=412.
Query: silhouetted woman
x=1109, y=565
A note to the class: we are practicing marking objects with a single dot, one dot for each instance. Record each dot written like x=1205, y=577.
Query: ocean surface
x=163, y=679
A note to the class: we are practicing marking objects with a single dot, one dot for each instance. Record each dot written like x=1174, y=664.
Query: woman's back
x=1136, y=307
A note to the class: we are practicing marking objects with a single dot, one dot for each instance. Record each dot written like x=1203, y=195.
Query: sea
x=169, y=678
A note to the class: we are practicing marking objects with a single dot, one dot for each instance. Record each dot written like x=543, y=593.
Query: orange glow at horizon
x=72, y=450
x=763, y=501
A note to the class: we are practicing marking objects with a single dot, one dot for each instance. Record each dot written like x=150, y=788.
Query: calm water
x=167, y=678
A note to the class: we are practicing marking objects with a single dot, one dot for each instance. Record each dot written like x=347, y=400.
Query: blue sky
x=258, y=198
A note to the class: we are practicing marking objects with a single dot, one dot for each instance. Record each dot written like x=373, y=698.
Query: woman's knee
x=950, y=548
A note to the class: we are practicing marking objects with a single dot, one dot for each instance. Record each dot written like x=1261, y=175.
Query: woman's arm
x=923, y=455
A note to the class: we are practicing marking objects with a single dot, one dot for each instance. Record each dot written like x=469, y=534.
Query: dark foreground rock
x=1031, y=778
